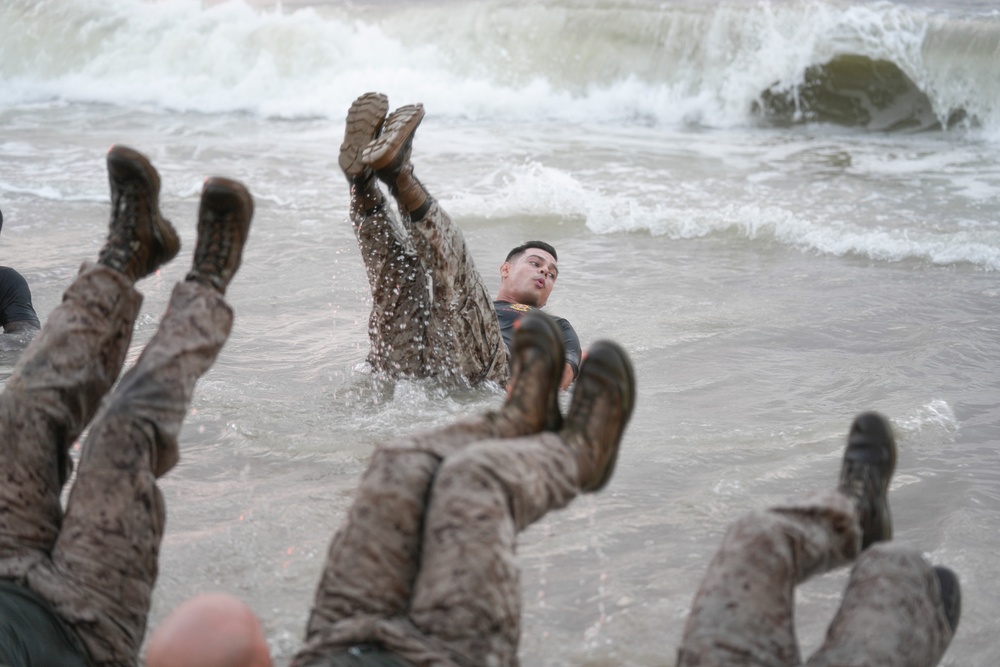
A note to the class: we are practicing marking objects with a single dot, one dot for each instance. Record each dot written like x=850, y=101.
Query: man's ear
x=504, y=270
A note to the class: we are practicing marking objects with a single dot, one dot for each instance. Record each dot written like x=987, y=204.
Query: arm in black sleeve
x=15, y=299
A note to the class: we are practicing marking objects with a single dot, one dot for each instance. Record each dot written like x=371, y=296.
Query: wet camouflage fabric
x=97, y=563
x=425, y=563
x=431, y=314
x=742, y=615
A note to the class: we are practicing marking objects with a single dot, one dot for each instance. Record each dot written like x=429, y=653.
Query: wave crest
x=625, y=62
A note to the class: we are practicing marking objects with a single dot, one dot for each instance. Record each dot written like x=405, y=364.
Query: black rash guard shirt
x=508, y=313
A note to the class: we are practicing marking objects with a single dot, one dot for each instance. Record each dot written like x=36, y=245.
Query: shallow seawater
x=769, y=282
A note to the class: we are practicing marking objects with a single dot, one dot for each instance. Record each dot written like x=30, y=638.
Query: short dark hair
x=541, y=245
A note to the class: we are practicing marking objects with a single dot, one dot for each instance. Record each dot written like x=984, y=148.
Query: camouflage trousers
x=96, y=563
x=891, y=613
x=425, y=563
x=431, y=314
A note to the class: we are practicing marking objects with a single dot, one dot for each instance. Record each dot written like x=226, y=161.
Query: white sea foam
x=498, y=59
x=531, y=189
x=644, y=101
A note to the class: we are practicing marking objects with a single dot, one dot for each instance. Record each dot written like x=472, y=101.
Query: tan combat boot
x=140, y=240
x=602, y=404
x=223, y=225
x=537, y=360
x=869, y=461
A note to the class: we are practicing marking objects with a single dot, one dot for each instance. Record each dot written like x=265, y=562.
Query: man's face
x=529, y=279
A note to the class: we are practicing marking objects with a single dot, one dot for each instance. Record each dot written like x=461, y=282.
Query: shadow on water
x=855, y=91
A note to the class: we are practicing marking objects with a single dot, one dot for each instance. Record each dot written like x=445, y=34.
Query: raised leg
x=373, y=560
x=893, y=614
x=463, y=335
x=424, y=566
x=53, y=393
x=402, y=304
x=463, y=328
x=743, y=613
x=104, y=563
x=61, y=378
x=467, y=596
x=397, y=326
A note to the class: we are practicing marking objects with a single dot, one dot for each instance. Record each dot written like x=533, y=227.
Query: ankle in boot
x=140, y=240
x=603, y=400
x=223, y=225
x=538, y=356
x=389, y=157
x=410, y=195
x=869, y=461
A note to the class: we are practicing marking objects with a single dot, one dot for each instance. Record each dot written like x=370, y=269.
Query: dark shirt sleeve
x=15, y=298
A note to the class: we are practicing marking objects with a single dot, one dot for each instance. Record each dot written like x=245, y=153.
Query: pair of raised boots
x=377, y=145
x=140, y=240
x=601, y=406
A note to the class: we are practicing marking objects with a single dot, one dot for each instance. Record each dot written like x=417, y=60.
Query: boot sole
x=609, y=361
x=364, y=122
x=127, y=165
x=537, y=332
x=397, y=131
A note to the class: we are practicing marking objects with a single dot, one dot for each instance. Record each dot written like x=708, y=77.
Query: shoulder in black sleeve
x=15, y=299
